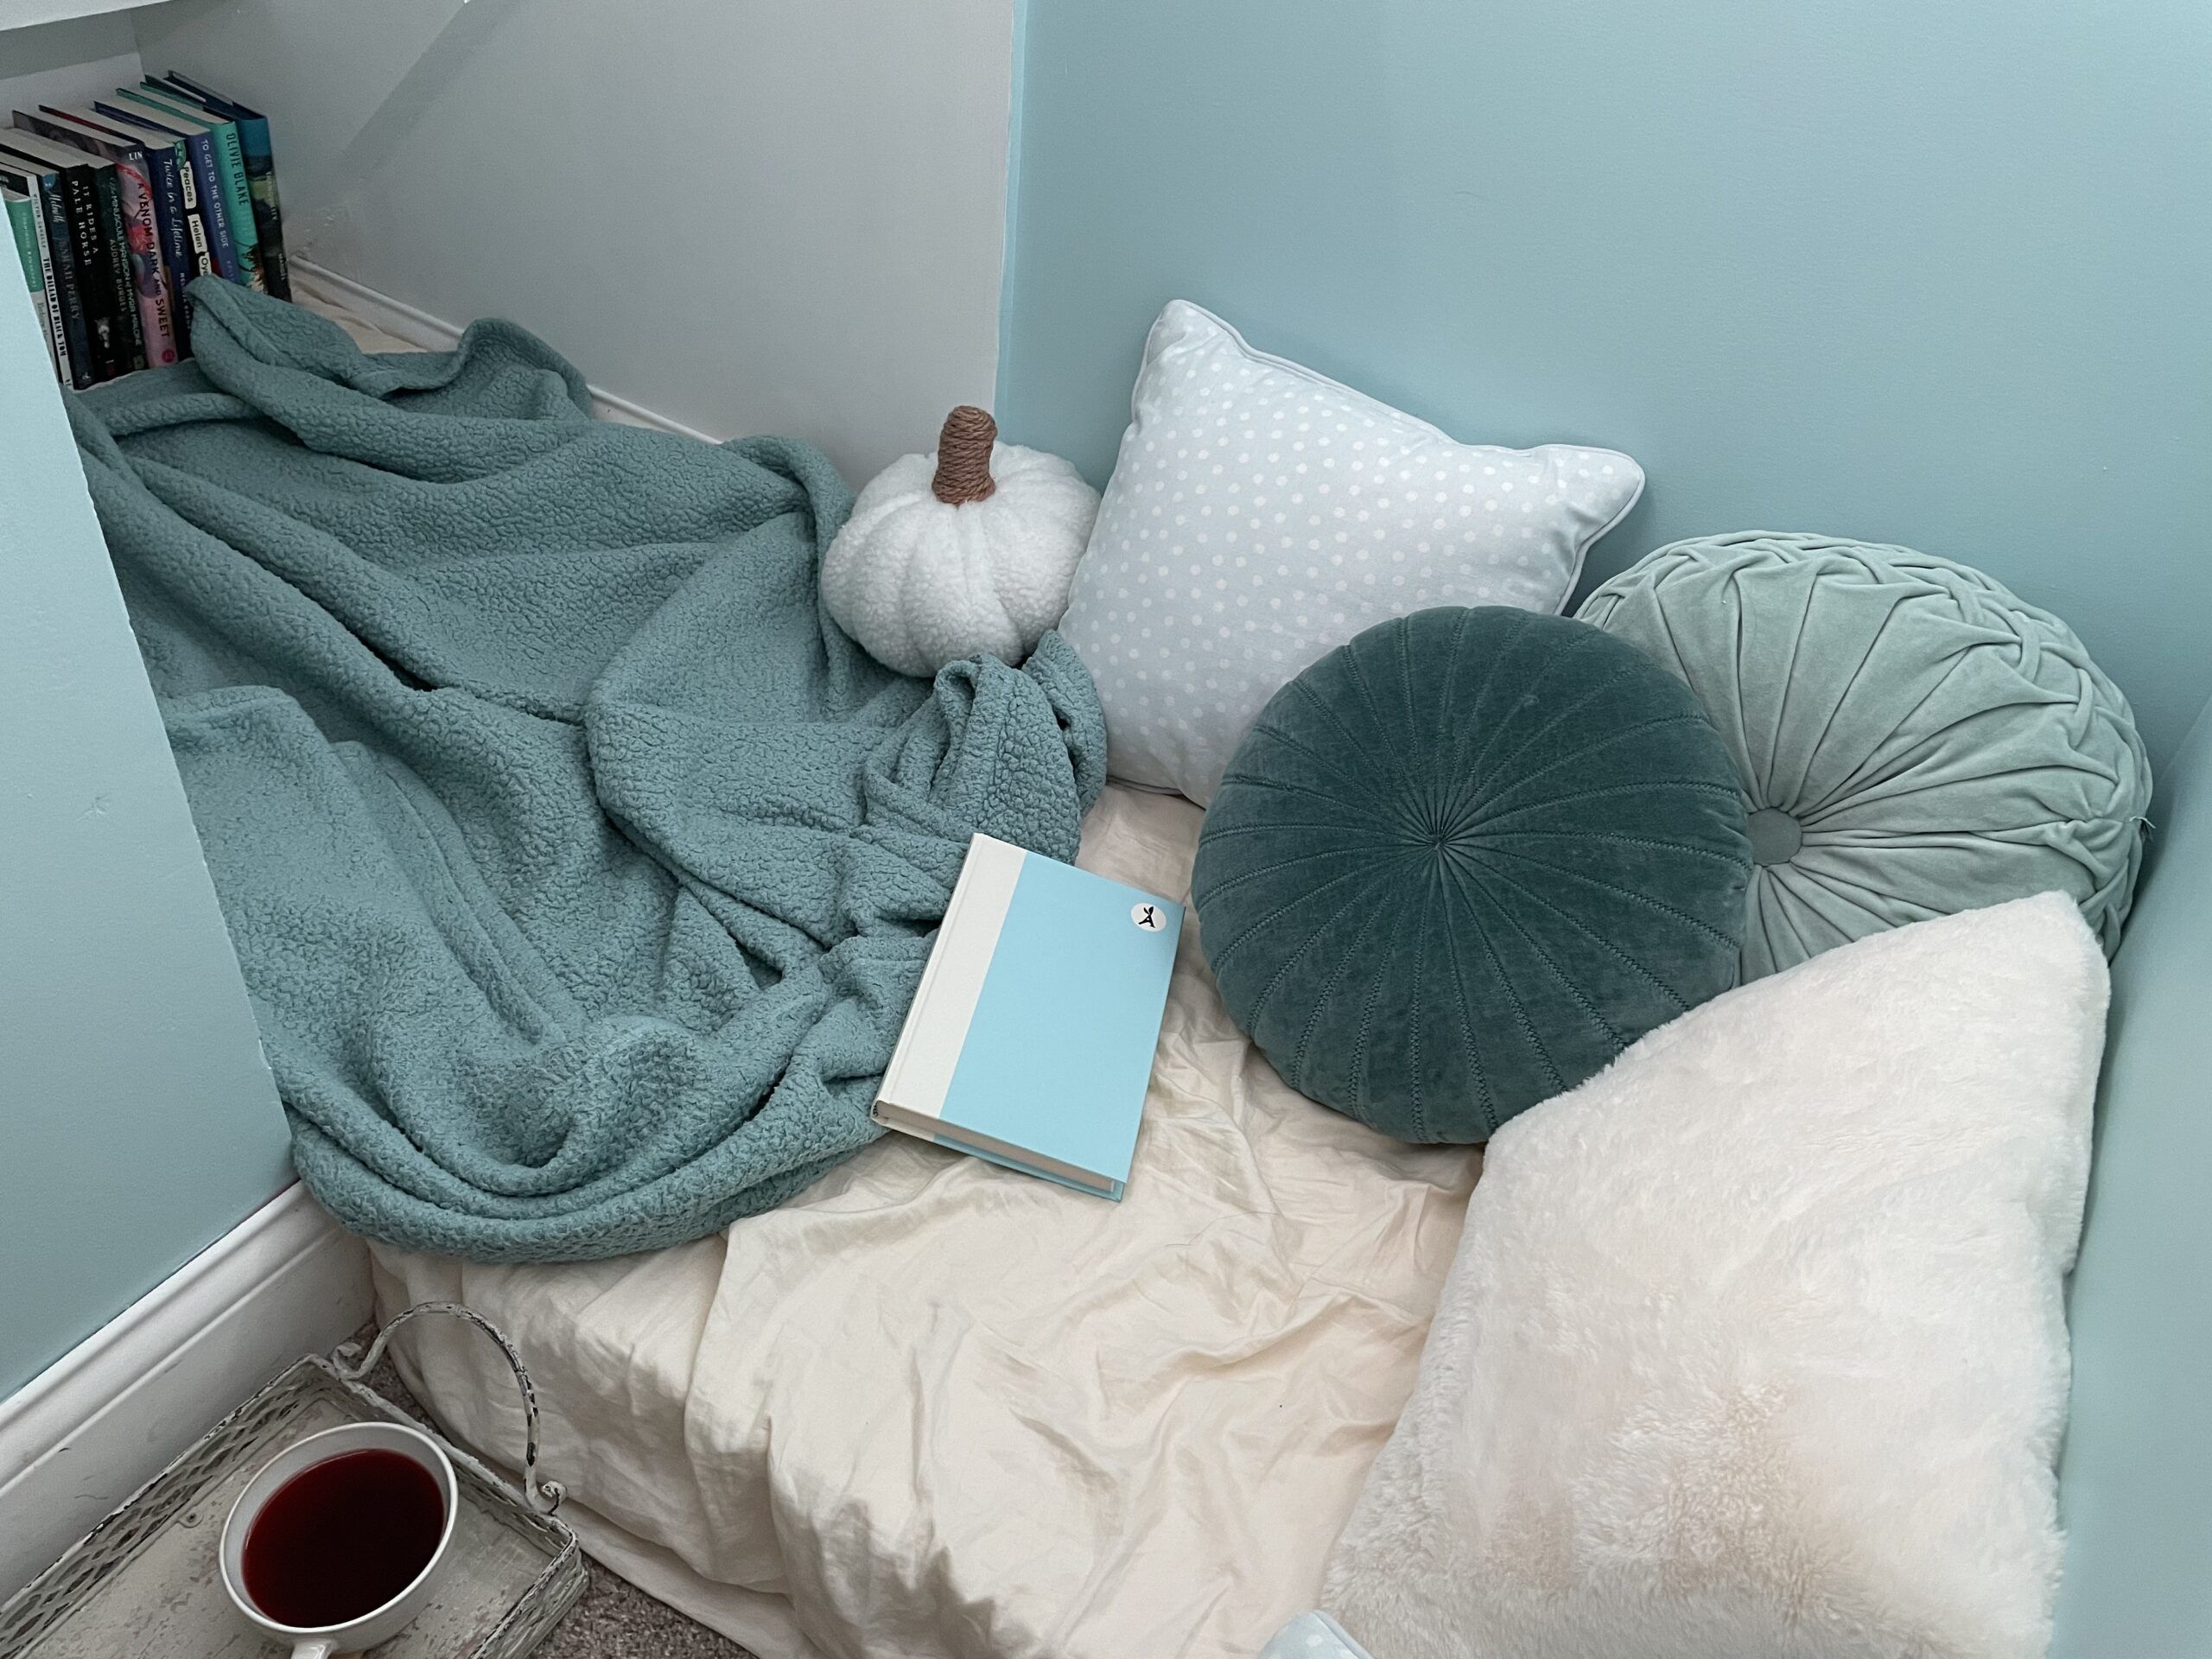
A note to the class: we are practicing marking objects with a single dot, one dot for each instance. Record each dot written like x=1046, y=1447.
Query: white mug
x=380, y=1623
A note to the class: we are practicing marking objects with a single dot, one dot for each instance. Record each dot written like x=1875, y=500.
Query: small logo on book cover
x=1147, y=917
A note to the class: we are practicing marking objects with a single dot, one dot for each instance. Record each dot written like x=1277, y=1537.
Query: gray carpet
x=615, y=1619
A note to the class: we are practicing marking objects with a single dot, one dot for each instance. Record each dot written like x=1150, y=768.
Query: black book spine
x=61, y=249
x=115, y=247
x=109, y=356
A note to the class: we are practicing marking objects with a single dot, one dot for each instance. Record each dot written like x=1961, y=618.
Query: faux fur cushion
x=1755, y=1345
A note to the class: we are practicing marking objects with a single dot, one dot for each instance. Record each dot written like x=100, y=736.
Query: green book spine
x=268, y=211
x=72, y=345
x=24, y=227
x=22, y=220
x=238, y=189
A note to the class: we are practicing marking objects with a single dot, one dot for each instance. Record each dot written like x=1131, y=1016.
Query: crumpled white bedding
x=936, y=1410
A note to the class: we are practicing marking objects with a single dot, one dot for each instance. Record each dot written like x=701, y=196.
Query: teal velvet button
x=1457, y=864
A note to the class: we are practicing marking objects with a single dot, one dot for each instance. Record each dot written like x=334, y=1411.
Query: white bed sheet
x=935, y=1409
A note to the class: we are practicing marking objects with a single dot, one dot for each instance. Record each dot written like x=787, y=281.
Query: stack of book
x=117, y=203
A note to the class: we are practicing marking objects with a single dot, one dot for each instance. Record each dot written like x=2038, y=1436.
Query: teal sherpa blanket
x=580, y=868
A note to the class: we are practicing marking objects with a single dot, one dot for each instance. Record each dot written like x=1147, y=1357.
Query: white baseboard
x=419, y=327
x=109, y=1415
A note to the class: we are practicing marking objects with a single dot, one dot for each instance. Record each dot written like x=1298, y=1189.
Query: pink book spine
x=150, y=277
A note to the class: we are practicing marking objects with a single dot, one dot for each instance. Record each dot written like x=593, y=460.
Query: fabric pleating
x=1465, y=858
x=1912, y=738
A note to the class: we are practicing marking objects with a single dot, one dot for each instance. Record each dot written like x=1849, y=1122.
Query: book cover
x=44, y=183
x=113, y=255
x=1031, y=1038
x=202, y=169
x=260, y=175
x=172, y=107
x=185, y=250
x=23, y=224
x=41, y=273
x=152, y=289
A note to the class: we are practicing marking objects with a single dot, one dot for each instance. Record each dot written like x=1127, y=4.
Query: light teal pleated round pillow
x=1912, y=738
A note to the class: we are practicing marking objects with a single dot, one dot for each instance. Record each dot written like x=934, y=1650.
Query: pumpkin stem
x=963, y=457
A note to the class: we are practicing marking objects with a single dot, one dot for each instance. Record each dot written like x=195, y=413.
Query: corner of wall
x=1011, y=245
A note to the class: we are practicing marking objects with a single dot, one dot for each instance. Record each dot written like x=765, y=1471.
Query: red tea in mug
x=342, y=1537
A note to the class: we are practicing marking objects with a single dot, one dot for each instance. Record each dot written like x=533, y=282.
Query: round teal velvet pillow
x=1459, y=863
x=1910, y=739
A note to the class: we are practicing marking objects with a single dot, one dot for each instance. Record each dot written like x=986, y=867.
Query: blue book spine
x=169, y=216
x=214, y=204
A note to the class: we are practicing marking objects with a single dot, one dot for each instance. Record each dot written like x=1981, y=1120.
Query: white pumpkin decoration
x=968, y=550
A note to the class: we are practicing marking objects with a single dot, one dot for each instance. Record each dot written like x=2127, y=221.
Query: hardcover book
x=44, y=184
x=203, y=169
x=187, y=248
x=172, y=108
x=103, y=264
x=260, y=174
x=127, y=239
x=151, y=284
x=21, y=187
x=23, y=224
x=1031, y=1038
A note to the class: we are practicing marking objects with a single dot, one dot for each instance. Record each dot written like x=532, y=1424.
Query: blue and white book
x=1030, y=1041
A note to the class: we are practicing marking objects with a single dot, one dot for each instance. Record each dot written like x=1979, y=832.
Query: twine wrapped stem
x=963, y=457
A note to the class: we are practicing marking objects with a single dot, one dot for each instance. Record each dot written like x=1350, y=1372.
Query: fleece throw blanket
x=580, y=869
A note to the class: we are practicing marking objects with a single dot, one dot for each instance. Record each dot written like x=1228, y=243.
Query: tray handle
x=544, y=1496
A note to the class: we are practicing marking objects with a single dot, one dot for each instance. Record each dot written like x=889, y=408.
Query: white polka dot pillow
x=1261, y=514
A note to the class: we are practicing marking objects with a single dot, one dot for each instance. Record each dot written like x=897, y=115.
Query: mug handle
x=314, y=1647
x=544, y=1496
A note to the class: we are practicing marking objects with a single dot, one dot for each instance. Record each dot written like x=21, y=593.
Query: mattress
x=935, y=1409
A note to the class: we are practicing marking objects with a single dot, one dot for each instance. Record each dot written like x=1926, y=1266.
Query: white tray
x=145, y=1580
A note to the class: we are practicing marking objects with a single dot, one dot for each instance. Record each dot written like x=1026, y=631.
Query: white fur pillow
x=1755, y=1345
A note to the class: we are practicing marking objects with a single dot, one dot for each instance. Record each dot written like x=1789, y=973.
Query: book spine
x=237, y=196
x=268, y=214
x=150, y=271
x=68, y=300
x=194, y=168
x=22, y=227
x=207, y=179
x=172, y=232
x=199, y=240
x=162, y=160
x=23, y=222
x=102, y=330
x=115, y=252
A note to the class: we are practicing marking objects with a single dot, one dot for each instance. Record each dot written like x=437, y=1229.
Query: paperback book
x=1031, y=1038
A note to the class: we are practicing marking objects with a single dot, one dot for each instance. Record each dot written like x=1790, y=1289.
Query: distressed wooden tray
x=146, y=1581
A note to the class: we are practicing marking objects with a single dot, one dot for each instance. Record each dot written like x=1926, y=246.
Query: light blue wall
x=2138, y=1464
x=138, y=1122
x=1918, y=272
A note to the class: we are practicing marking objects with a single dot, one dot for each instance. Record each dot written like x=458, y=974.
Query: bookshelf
x=24, y=13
